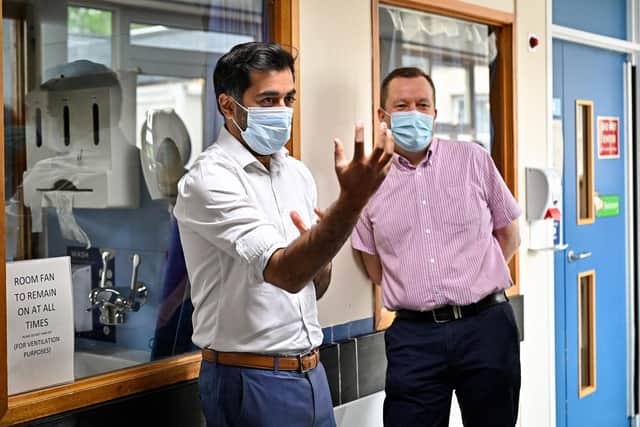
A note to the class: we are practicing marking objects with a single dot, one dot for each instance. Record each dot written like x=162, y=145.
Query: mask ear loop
x=237, y=125
x=233, y=119
x=239, y=105
x=388, y=114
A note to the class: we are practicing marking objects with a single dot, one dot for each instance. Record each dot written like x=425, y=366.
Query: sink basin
x=88, y=363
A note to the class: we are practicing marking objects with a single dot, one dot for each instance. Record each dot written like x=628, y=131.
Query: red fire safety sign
x=608, y=137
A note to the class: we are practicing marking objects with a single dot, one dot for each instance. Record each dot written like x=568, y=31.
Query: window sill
x=90, y=391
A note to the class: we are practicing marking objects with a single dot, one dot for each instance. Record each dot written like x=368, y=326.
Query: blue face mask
x=268, y=128
x=412, y=130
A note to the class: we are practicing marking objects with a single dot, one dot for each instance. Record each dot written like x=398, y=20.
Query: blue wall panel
x=604, y=17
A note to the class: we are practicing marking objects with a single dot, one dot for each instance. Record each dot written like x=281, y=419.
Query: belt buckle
x=457, y=314
x=301, y=368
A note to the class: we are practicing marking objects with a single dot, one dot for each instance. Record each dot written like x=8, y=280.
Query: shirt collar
x=404, y=163
x=239, y=152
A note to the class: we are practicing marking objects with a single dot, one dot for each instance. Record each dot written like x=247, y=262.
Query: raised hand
x=309, y=256
x=299, y=223
x=362, y=176
x=322, y=279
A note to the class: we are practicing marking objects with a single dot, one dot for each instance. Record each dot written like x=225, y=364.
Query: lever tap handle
x=135, y=261
x=106, y=256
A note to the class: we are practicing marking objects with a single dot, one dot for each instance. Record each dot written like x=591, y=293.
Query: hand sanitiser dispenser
x=81, y=139
x=544, y=208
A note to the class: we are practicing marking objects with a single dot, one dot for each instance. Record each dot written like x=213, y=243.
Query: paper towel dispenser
x=544, y=192
x=544, y=208
x=80, y=138
x=165, y=150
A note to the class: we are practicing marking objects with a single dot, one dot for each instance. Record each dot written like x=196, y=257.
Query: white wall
x=501, y=5
x=336, y=76
x=537, y=397
x=336, y=90
x=362, y=412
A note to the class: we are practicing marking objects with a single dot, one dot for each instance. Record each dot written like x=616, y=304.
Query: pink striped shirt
x=432, y=225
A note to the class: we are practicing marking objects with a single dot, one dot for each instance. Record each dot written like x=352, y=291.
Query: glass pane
x=452, y=94
x=89, y=34
x=13, y=49
x=177, y=38
x=584, y=161
x=457, y=54
x=99, y=126
x=587, y=333
x=184, y=96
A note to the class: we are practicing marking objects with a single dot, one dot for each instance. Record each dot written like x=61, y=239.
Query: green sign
x=610, y=206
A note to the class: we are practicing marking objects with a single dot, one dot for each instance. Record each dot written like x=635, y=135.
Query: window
x=470, y=56
x=584, y=162
x=177, y=38
x=185, y=96
x=91, y=104
x=458, y=56
x=89, y=34
x=587, y=333
x=119, y=61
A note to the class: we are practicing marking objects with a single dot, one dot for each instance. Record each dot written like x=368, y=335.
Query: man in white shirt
x=255, y=270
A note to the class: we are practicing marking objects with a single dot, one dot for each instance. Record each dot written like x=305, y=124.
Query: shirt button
x=432, y=260
x=419, y=174
x=424, y=202
x=427, y=231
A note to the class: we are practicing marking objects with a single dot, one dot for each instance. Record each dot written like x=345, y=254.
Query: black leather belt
x=448, y=313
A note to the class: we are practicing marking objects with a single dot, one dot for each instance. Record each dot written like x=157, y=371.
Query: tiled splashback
x=355, y=367
x=355, y=360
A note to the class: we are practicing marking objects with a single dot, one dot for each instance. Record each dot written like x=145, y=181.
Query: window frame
x=21, y=408
x=3, y=271
x=591, y=386
x=502, y=99
x=587, y=151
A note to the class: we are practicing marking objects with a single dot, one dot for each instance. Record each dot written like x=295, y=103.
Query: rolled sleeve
x=503, y=206
x=362, y=238
x=257, y=247
x=215, y=205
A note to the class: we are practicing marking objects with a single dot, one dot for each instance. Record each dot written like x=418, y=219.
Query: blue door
x=590, y=279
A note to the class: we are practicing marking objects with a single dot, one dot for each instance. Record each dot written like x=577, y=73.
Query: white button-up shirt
x=233, y=214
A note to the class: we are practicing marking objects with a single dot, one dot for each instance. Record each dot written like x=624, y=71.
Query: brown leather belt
x=301, y=363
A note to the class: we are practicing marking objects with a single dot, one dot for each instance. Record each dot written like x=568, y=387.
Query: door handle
x=572, y=256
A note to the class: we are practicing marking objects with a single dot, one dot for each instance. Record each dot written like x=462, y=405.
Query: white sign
x=39, y=323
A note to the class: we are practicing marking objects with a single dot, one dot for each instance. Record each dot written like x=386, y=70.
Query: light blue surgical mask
x=268, y=128
x=412, y=130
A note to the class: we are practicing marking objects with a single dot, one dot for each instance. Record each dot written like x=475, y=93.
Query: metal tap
x=114, y=303
x=106, y=256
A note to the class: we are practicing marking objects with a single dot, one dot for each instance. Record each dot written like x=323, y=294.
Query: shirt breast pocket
x=394, y=228
x=461, y=210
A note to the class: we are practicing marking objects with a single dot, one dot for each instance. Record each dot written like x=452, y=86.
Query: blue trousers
x=243, y=397
x=478, y=357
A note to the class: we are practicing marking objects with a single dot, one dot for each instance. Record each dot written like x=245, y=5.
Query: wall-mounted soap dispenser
x=81, y=138
x=544, y=208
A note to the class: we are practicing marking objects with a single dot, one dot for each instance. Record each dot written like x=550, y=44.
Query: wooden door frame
x=85, y=392
x=285, y=29
x=502, y=98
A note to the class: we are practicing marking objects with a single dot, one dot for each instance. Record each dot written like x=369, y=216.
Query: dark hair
x=403, y=72
x=232, y=73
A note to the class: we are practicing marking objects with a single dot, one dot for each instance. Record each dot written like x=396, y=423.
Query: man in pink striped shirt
x=437, y=236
